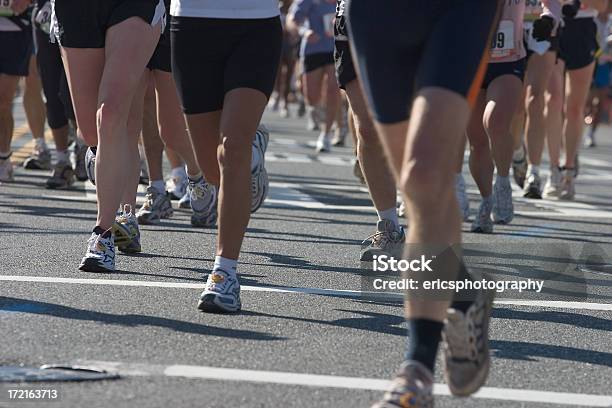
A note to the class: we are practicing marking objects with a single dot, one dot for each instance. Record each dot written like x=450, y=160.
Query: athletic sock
x=519, y=154
x=533, y=169
x=225, y=264
x=255, y=158
x=389, y=214
x=62, y=155
x=158, y=185
x=424, y=337
x=40, y=143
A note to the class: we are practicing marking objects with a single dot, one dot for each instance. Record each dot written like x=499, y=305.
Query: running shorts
x=602, y=75
x=212, y=56
x=83, y=23
x=495, y=70
x=160, y=60
x=318, y=60
x=578, y=42
x=15, y=52
x=345, y=69
x=424, y=43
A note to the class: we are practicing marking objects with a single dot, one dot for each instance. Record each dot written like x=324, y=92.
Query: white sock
x=255, y=158
x=179, y=172
x=62, y=155
x=158, y=185
x=228, y=265
x=533, y=169
x=40, y=143
x=518, y=154
x=502, y=180
x=389, y=214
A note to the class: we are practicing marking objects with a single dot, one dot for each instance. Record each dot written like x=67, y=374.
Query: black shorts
x=15, y=52
x=160, y=60
x=497, y=69
x=345, y=69
x=212, y=56
x=83, y=24
x=424, y=43
x=578, y=42
x=318, y=60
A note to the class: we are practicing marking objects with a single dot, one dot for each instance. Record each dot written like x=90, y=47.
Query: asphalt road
x=299, y=341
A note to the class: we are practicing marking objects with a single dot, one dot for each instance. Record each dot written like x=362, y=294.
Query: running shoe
x=177, y=186
x=6, y=171
x=39, y=160
x=401, y=210
x=411, y=388
x=62, y=177
x=568, y=187
x=260, y=184
x=589, y=140
x=466, y=345
x=100, y=255
x=126, y=231
x=387, y=240
x=553, y=183
x=301, y=109
x=78, y=162
x=357, y=172
x=90, y=164
x=519, y=169
x=203, y=202
x=323, y=143
x=483, y=224
x=185, y=201
x=284, y=113
x=533, y=188
x=462, y=197
x=221, y=294
x=503, y=208
x=155, y=207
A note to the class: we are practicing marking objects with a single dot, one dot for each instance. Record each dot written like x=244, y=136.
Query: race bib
x=43, y=17
x=328, y=24
x=5, y=8
x=503, y=41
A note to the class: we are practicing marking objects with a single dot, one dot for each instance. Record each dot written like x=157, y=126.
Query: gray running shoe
x=90, y=163
x=503, y=208
x=462, y=197
x=221, y=294
x=411, y=388
x=6, y=171
x=260, y=184
x=533, y=188
x=62, y=177
x=323, y=144
x=79, y=162
x=39, y=160
x=552, y=189
x=568, y=185
x=387, y=240
x=156, y=207
x=482, y=223
x=203, y=202
x=466, y=345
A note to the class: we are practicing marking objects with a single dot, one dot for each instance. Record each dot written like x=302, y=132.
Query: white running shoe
x=313, y=119
x=503, y=208
x=100, y=255
x=156, y=207
x=203, y=202
x=221, y=294
x=568, y=185
x=284, y=113
x=533, y=187
x=462, y=197
x=259, y=176
x=483, y=223
x=177, y=186
x=387, y=240
x=39, y=160
x=6, y=171
x=90, y=163
x=323, y=143
x=552, y=189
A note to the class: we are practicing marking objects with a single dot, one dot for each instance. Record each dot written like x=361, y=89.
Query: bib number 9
x=5, y=8
x=503, y=41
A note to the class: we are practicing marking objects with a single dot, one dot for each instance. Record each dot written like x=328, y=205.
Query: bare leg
x=154, y=146
x=481, y=161
x=554, y=114
x=577, y=89
x=33, y=104
x=8, y=88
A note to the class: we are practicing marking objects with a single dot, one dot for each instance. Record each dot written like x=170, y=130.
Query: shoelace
x=457, y=345
x=382, y=238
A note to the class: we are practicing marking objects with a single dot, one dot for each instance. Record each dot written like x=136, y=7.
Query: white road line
x=294, y=290
x=333, y=381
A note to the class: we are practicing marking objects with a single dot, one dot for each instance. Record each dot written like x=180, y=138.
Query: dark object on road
x=48, y=373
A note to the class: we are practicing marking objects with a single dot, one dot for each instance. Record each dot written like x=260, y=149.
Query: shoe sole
x=533, y=195
x=481, y=376
x=480, y=230
x=207, y=304
x=91, y=265
x=130, y=250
